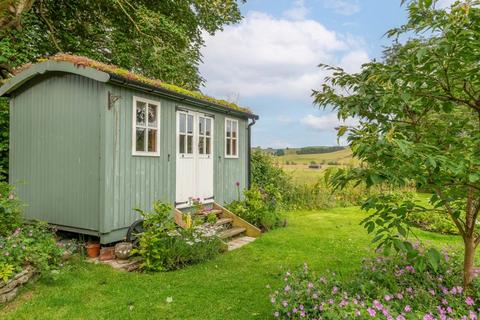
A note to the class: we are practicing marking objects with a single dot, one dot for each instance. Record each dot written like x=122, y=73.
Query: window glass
x=190, y=124
x=234, y=147
x=152, y=116
x=201, y=125
x=229, y=128
x=182, y=143
x=207, y=144
x=152, y=140
x=234, y=129
x=140, y=139
x=208, y=127
x=183, y=122
x=189, y=144
x=201, y=145
x=141, y=113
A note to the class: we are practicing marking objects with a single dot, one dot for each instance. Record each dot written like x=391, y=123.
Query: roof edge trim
x=51, y=66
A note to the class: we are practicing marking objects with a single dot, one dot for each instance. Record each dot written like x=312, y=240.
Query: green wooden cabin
x=89, y=142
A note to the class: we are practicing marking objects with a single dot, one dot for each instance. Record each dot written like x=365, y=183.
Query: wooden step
x=239, y=242
x=231, y=232
x=223, y=221
x=207, y=212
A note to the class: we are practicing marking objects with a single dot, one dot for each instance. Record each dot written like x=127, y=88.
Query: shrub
x=29, y=245
x=260, y=207
x=384, y=288
x=10, y=210
x=164, y=246
x=433, y=221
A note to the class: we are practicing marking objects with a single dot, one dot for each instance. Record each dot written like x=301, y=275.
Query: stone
x=107, y=253
x=8, y=296
x=123, y=250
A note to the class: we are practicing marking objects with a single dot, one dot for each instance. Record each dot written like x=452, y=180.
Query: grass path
x=233, y=286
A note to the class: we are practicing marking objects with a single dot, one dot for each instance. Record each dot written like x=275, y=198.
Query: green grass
x=232, y=286
x=300, y=171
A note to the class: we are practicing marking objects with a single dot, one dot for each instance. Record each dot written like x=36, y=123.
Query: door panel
x=194, y=173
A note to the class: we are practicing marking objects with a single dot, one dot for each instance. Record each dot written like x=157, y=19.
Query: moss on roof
x=112, y=69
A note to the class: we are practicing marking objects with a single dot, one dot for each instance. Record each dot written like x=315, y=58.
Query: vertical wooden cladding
x=54, y=149
x=136, y=181
x=71, y=155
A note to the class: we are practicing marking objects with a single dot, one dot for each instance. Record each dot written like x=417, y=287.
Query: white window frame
x=187, y=114
x=134, y=128
x=231, y=156
x=205, y=136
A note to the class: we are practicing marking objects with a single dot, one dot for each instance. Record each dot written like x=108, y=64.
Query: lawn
x=300, y=171
x=233, y=286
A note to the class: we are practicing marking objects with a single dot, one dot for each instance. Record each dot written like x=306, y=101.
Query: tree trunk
x=468, y=261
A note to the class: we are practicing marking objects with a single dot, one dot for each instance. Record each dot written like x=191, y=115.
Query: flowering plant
x=384, y=288
x=165, y=246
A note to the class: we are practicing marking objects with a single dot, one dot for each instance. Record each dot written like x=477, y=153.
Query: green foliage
x=6, y=271
x=280, y=152
x=164, y=246
x=260, y=207
x=384, y=287
x=319, y=150
x=419, y=112
x=10, y=210
x=29, y=245
x=168, y=35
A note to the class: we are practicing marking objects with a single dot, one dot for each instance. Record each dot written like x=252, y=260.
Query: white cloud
x=298, y=12
x=344, y=7
x=265, y=56
x=327, y=122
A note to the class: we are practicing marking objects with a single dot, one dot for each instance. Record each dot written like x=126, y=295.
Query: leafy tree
x=158, y=38
x=419, y=114
x=280, y=152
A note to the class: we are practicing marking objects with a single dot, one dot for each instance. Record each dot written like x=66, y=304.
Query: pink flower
x=371, y=312
x=285, y=303
x=276, y=314
x=387, y=298
x=407, y=308
x=472, y=315
x=428, y=316
x=469, y=301
x=334, y=290
x=287, y=288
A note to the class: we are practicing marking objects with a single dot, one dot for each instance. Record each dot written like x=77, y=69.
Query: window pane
x=190, y=124
x=229, y=142
x=141, y=113
x=234, y=129
x=208, y=127
x=189, y=144
x=183, y=122
x=181, y=144
x=201, y=145
x=229, y=128
x=207, y=145
x=152, y=140
x=201, y=126
x=140, y=139
x=152, y=115
x=234, y=147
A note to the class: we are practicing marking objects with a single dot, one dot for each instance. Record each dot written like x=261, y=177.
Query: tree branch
x=450, y=212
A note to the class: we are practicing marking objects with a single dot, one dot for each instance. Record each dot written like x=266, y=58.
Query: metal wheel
x=133, y=231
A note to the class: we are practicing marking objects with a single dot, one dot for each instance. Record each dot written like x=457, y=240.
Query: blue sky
x=269, y=61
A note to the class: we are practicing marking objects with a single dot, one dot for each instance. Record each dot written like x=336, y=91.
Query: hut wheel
x=133, y=231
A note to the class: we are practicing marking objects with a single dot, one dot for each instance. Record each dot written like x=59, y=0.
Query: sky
x=269, y=61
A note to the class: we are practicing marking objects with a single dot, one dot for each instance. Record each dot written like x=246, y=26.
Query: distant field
x=298, y=164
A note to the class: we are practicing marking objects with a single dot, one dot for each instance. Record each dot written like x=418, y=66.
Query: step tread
x=239, y=242
x=231, y=232
x=223, y=221
x=207, y=212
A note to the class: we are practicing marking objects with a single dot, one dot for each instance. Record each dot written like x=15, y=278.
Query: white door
x=194, y=176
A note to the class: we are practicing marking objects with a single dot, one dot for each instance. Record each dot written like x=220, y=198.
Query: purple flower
x=469, y=301
x=472, y=315
x=428, y=316
x=371, y=312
